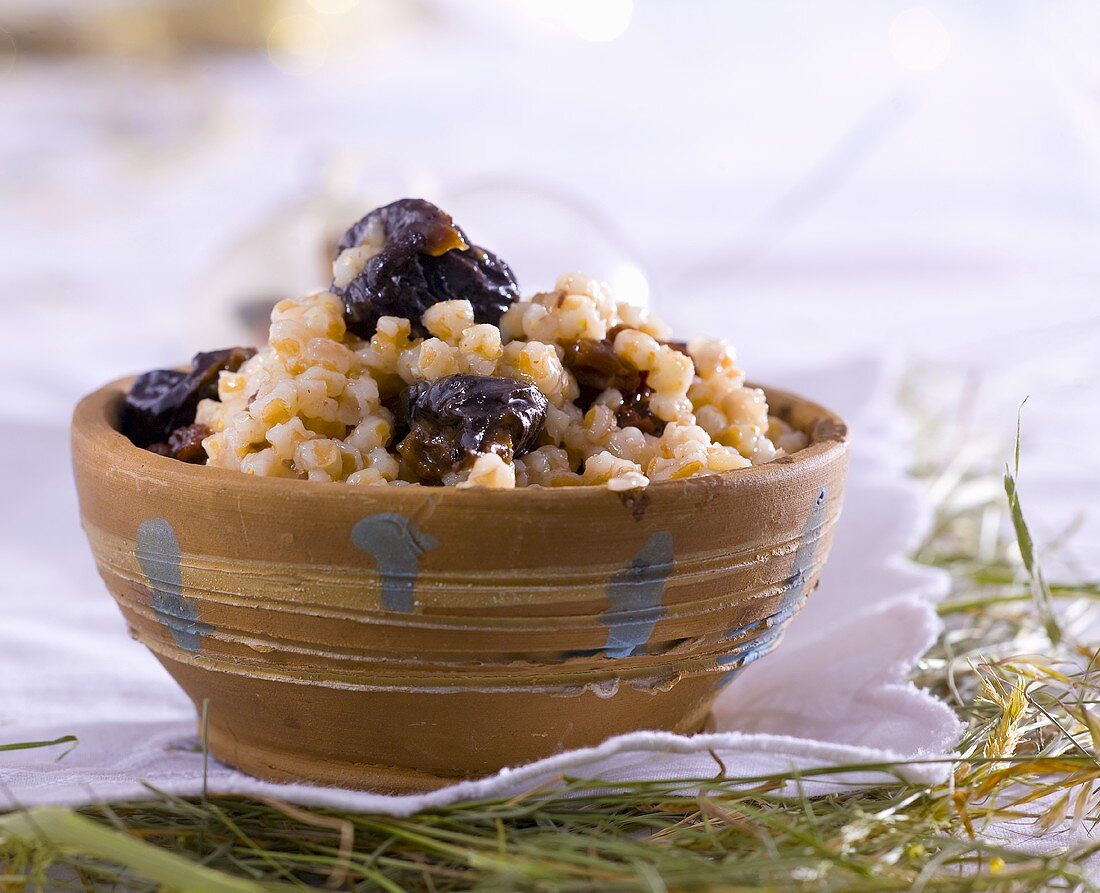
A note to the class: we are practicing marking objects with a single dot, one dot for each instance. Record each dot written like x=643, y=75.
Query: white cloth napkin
x=835, y=693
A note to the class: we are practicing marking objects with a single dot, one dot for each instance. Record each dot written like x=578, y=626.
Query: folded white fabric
x=834, y=694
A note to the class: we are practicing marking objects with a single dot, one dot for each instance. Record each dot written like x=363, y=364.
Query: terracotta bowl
x=398, y=639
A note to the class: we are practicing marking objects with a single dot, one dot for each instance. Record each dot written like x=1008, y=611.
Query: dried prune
x=184, y=444
x=147, y=409
x=424, y=259
x=409, y=219
x=453, y=419
x=164, y=400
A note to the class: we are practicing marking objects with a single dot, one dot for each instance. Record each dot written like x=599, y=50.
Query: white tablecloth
x=834, y=693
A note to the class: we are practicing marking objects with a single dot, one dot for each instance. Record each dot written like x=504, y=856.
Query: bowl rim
x=94, y=420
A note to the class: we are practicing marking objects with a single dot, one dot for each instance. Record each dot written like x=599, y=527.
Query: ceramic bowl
x=397, y=639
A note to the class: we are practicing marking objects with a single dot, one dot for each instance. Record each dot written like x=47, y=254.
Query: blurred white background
x=817, y=181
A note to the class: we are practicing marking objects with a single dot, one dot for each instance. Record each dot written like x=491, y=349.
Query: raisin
x=162, y=401
x=635, y=412
x=454, y=419
x=425, y=259
x=185, y=444
x=597, y=367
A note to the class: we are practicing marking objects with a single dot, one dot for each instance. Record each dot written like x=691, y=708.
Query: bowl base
x=284, y=767
x=287, y=768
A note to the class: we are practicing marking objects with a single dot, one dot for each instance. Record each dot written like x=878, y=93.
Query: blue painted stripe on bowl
x=395, y=544
x=764, y=649
x=635, y=593
x=157, y=551
x=780, y=617
x=770, y=629
x=807, y=549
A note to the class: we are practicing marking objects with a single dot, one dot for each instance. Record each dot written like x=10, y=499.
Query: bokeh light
x=298, y=44
x=333, y=7
x=629, y=283
x=918, y=39
x=595, y=20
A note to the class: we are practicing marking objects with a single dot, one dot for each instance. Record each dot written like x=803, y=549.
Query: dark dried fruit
x=394, y=401
x=635, y=412
x=164, y=400
x=185, y=444
x=411, y=219
x=148, y=408
x=454, y=419
x=597, y=367
x=426, y=259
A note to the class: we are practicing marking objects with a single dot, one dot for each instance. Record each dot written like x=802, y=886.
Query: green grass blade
x=1044, y=600
x=74, y=834
x=29, y=745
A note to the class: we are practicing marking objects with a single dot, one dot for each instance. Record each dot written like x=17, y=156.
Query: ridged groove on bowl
x=230, y=617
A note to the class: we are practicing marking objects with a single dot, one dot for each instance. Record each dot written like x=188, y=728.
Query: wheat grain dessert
x=421, y=365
